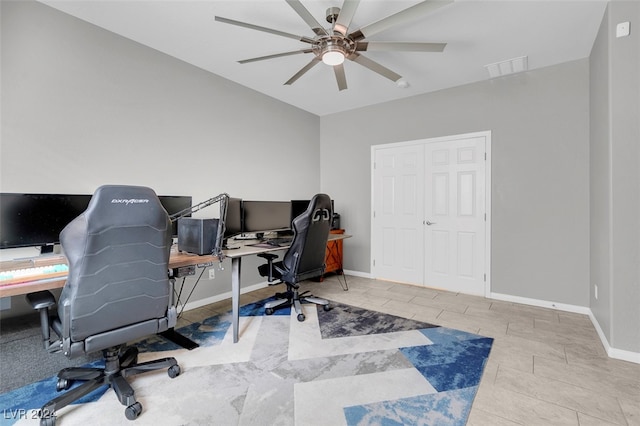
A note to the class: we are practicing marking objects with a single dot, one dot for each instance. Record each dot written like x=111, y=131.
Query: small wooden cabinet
x=333, y=257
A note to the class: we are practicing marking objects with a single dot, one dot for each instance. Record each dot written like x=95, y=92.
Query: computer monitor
x=264, y=216
x=233, y=221
x=28, y=220
x=300, y=206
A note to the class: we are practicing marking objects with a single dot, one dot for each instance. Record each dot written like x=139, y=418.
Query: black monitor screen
x=174, y=204
x=37, y=219
x=260, y=216
x=28, y=220
x=233, y=221
x=300, y=206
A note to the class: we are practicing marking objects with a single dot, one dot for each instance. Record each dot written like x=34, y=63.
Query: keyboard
x=32, y=274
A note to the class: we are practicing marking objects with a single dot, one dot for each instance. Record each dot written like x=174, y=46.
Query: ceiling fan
x=332, y=46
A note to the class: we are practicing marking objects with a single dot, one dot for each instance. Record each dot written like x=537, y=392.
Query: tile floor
x=546, y=367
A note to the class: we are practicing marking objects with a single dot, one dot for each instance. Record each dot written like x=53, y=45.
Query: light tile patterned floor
x=546, y=367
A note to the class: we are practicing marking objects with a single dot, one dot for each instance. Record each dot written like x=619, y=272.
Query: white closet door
x=429, y=224
x=397, y=238
x=454, y=224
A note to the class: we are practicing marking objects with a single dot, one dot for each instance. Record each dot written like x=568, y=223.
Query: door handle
x=426, y=222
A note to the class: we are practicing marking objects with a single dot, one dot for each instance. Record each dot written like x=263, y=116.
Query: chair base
x=292, y=298
x=118, y=366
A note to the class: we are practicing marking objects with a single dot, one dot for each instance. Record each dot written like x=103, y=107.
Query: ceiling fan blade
x=375, y=67
x=304, y=69
x=341, y=78
x=345, y=16
x=399, y=18
x=265, y=29
x=275, y=55
x=307, y=17
x=400, y=46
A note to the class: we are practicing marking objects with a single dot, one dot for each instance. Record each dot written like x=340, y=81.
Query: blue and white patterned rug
x=347, y=366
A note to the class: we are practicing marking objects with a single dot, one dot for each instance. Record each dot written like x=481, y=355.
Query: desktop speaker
x=335, y=221
x=197, y=235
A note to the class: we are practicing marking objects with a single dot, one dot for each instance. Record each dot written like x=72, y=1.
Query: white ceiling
x=477, y=33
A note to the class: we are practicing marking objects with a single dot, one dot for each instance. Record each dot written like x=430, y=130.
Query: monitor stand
x=46, y=249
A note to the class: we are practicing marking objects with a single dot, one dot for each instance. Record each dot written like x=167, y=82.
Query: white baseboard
x=222, y=296
x=541, y=303
x=613, y=352
x=227, y=295
x=358, y=274
x=620, y=354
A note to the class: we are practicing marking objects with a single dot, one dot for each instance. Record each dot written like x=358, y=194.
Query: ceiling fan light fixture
x=333, y=57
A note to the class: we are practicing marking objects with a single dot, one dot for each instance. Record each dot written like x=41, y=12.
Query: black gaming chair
x=304, y=259
x=117, y=291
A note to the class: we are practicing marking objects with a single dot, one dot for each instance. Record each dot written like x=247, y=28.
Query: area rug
x=346, y=366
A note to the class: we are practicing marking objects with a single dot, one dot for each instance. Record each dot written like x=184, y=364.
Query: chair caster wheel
x=174, y=371
x=133, y=411
x=268, y=311
x=300, y=317
x=63, y=384
x=326, y=308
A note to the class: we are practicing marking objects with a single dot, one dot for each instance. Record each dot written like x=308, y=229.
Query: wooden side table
x=333, y=257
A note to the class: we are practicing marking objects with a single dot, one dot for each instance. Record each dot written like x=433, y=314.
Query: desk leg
x=236, y=264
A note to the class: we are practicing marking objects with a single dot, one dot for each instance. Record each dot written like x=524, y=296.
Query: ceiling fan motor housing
x=334, y=43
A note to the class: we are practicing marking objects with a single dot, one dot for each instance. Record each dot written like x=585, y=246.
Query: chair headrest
x=321, y=214
x=125, y=205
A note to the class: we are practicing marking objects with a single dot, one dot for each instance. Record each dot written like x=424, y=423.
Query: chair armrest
x=269, y=256
x=42, y=301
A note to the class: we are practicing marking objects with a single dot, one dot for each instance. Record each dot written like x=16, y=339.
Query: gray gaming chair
x=117, y=291
x=304, y=259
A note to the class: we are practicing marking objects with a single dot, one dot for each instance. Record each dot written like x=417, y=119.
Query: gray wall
x=615, y=178
x=82, y=107
x=540, y=179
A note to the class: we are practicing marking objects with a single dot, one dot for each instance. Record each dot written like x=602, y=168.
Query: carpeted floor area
x=20, y=338
x=346, y=366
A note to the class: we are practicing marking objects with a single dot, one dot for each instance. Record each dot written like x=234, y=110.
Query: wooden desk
x=176, y=260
